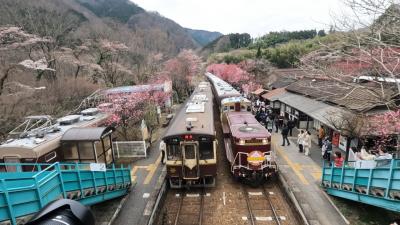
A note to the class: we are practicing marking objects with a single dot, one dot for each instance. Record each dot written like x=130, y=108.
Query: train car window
x=173, y=152
x=49, y=157
x=99, y=147
x=70, y=151
x=206, y=150
x=86, y=150
x=11, y=168
x=190, y=152
x=225, y=108
x=107, y=143
x=232, y=108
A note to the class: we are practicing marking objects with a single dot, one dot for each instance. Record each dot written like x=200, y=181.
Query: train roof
x=32, y=146
x=197, y=111
x=222, y=88
x=244, y=125
x=235, y=99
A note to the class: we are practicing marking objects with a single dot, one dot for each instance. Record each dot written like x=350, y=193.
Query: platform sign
x=255, y=158
x=99, y=167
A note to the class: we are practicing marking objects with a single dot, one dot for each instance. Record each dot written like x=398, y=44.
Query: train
x=247, y=142
x=191, y=157
x=72, y=138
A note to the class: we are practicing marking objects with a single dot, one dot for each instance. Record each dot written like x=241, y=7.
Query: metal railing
x=24, y=193
x=130, y=149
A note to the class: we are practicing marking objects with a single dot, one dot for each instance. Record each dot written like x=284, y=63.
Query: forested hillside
x=55, y=53
x=203, y=37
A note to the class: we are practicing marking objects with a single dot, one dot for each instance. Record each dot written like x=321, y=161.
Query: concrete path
x=303, y=174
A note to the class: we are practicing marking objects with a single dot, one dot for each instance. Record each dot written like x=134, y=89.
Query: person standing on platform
x=338, y=159
x=300, y=140
x=321, y=136
x=290, y=125
x=285, y=131
x=276, y=122
x=163, y=149
x=307, y=143
x=280, y=119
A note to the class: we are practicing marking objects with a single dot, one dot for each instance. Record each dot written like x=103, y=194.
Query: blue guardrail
x=24, y=193
x=378, y=186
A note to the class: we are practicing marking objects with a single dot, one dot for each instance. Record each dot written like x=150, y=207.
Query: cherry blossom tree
x=14, y=47
x=385, y=126
x=128, y=109
x=231, y=73
x=250, y=87
x=110, y=54
x=181, y=70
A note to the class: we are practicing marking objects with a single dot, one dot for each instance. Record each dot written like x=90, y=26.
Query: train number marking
x=146, y=195
x=255, y=193
x=193, y=195
x=263, y=218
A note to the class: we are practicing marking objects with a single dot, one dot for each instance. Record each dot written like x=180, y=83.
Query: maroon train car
x=248, y=148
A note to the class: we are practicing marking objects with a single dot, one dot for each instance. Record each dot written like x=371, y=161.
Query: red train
x=247, y=142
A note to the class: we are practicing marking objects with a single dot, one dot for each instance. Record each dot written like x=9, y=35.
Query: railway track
x=190, y=209
x=262, y=206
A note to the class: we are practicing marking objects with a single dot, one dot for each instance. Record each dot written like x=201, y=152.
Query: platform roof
x=86, y=133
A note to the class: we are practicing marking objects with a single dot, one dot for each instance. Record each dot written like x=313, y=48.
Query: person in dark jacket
x=285, y=132
x=290, y=125
x=276, y=122
x=281, y=121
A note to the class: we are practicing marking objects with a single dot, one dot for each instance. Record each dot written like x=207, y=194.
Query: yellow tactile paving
x=295, y=166
x=152, y=169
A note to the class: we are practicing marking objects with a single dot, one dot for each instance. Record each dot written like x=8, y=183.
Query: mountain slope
x=121, y=10
x=203, y=37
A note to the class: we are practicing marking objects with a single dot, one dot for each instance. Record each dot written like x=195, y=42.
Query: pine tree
x=259, y=53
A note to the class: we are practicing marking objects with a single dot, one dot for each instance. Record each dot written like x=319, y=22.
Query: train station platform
x=302, y=175
x=149, y=175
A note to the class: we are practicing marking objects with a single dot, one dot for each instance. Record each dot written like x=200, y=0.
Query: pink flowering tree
x=181, y=71
x=385, y=126
x=231, y=73
x=128, y=109
x=250, y=87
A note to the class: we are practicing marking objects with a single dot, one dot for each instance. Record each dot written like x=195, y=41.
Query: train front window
x=173, y=152
x=206, y=150
x=190, y=152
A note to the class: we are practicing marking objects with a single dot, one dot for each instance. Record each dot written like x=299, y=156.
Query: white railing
x=130, y=149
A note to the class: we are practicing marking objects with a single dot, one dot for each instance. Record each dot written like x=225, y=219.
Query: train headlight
x=265, y=141
x=242, y=142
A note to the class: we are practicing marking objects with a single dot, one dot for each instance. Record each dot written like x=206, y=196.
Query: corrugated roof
x=354, y=97
x=259, y=91
x=271, y=96
x=135, y=89
x=85, y=134
x=315, y=109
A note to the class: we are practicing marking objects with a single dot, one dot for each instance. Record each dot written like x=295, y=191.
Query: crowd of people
x=274, y=122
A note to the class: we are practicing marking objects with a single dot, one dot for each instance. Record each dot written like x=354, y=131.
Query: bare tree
x=15, y=47
x=365, y=43
x=348, y=124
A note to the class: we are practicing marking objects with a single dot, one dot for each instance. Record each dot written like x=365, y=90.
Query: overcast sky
x=256, y=17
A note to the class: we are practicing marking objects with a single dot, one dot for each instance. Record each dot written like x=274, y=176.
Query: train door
x=190, y=169
x=237, y=106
